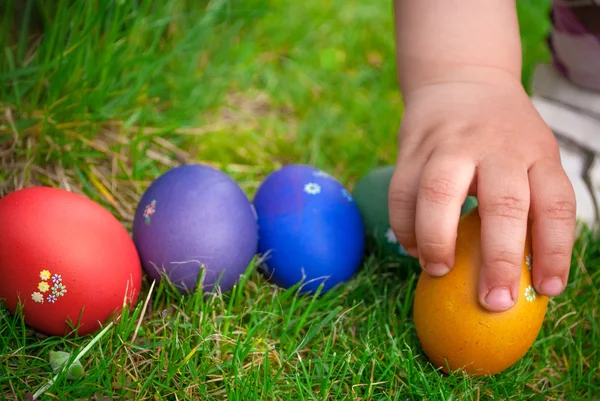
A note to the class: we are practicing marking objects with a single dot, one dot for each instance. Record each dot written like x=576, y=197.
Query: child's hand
x=485, y=138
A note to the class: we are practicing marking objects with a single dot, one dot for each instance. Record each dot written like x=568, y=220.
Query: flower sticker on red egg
x=37, y=297
x=49, y=289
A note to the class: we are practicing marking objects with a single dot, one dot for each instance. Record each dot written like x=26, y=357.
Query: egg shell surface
x=66, y=259
x=192, y=219
x=310, y=229
x=455, y=331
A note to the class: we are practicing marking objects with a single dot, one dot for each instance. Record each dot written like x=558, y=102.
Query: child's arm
x=469, y=127
x=455, y=39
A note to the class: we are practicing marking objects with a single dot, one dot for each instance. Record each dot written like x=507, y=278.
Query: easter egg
x=65, y=260
x=310, y=229
x=195, y=226
x=371, y=196
x=455, y=331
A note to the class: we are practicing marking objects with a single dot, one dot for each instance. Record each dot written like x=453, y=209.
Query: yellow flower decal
x=43, y=286
x=45, y=275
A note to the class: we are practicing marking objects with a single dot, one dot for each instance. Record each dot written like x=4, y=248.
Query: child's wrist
x=421, y=74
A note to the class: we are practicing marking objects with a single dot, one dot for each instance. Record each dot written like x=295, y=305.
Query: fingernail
x=437, y=269
x=551, y=286
x=499, y=299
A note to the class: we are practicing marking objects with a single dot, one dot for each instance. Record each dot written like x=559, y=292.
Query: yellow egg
x=455, y=331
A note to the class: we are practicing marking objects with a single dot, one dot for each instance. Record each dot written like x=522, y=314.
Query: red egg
x=67, y=260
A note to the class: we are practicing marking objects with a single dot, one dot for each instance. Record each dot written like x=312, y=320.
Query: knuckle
x=561, y=209
x=506, y=206
x=400, y=230
x=503, y=263
x=439, y=190
x=400, y=197
x=401, y=234
x=559, y=253
x=555, y=259
x=434, y=246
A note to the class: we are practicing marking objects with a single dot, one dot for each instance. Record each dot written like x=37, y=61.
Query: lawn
x=100, y=97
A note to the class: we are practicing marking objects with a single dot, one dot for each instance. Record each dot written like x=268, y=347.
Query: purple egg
x=194, y=219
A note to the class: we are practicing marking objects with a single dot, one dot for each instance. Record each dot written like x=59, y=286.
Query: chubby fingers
x=425, y=201
x=402, y=203
x=503, y=195
x=553, y=210
x=442, y=190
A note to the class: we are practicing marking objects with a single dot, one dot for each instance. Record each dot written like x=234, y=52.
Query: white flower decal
x=346, y=195
x=322, y=174
x=51, y=298
x=37, y=297
x=390, y=236
x=529, y=260
x=59, y=290
x=530, y=293
x=57, y=278
x=312, y=188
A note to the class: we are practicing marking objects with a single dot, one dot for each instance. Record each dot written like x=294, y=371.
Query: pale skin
x=469, y=127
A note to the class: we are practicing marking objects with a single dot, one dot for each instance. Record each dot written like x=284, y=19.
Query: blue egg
x=310, y=229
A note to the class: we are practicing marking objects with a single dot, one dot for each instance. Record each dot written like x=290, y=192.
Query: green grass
x=116, y=92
